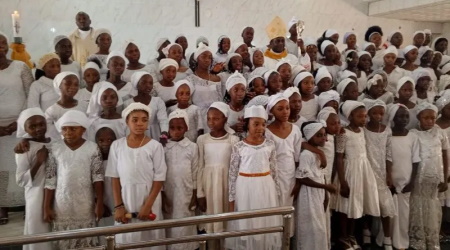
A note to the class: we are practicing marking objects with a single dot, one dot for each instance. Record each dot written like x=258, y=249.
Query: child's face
x=236, y=63
x=419, y=39
x=137, y=121
x=334, y=104
x=69, y=86
x=376, y=114
x=376, y=39
x=307, y=85
x=371, y=49
x=351, y=41
x=295, y=104
x=169, y=73
x=109, y=99
x=177, y=128
x=256, y=126
x=285, y=71
x=243, y=51
x=437, y=58
x=358, y=117
x=52, y=68
x=104, y=41
x=427, y=119
x=204, y=60
x=281, y=111
x=91, y=77
x=353, y=60
x=445, y=112
x=319, y=138
x=427, y=58
x=376, y=91
x=423, y=83
x=351, y=92
x=183, y=94
x=225, y=44
x=237, y=93
x=258, y=59
x=72, y=134
x=275, y=83
x=258, y=86
x=216, y=120
x=145, y=84
x=104, y=138
x=333, y=124
x=412, y=55
x=116, y=66
x=329, y=52
x=64, y=48
x=389, y=59
x=175, y=53
x=324, y=84
x=132, y=53
x=365, y=62
x=36, y=126
x=406, y=91
x=401, y=118
x=397, y=39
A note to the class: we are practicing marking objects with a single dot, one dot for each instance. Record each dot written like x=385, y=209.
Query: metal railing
x=110, y=231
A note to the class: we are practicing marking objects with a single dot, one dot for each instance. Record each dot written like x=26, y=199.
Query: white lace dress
x=363, y=198
x=254, y=193
x=56, y=111
x=329, y=151
x=181, y=180
x=310, y=109
x=311, y=216
x=71, y=173
x=424, y=202
x=378, y=146
x=158, y=117
x=195, y=120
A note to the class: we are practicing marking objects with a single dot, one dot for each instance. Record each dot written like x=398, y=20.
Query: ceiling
x=414, y=10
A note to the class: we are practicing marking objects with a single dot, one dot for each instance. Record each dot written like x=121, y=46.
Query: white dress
x=362, y=81
x=405, y=152
x=288, y=153
x=165, y=93
x=393, y=78
x=299, y=122
x=254, y=193
x=158, y=117
x=126, y=92
x=378, y=146
x=205, y=93
x=127, y=73
x=137, y=169
x=311, y=216
x=56, y=111
x=117, y=125
x=195, y=120
x=34, y=194
x=15, y=82
x=73, y=67
x=212, y=178
x=233, y=118
x=363, y=198
x=310, y=109
x=181, y=180
x=329, y=151
x=68, y=170
x=424, y=201
x=445, y=198
x=42, y=94
x=83, y=95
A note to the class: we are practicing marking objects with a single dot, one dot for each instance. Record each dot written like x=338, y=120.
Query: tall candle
x=16, y=23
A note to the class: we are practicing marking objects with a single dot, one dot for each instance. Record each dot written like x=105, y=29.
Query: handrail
x=142, y=226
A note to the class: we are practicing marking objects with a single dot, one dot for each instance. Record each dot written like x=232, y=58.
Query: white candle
x=16, y=23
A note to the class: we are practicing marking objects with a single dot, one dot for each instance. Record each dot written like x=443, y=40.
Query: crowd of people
x=96, y=137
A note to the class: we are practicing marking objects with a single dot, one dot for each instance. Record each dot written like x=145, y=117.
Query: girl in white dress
x=180, y=188
x=175, y=51
x=287, y=138
x=42, y=93
x=285, y=70
x=356, y=181
x=311, y=207
x=405, y=90
x=183, y=92
x=73, y=164
x=431, y=179
x=102, y=110
x=164, y=89
x=116, y=63
x=31, y=172
x=329, y=98
x=235, y=94
x=295, y=106
x=66, y=85
x=253, y=183
x=378, y=146
x=405, y=159
x=273, y=82
x=91, y=76
x=310, y=106
x=133, y=54
x=394, y=72
x=213, y=165
x=323, y=80
x=103, y=40
x=138, y=170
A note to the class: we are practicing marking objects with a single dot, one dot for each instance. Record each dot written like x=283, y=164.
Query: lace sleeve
x=341, y=140
x=306, y=163
x=201, y=166
x=273, y=168
x=233, y=172
x=194, y=164
x=97, y=168
x=50, y=171
x=389, y=146
x=27, y=78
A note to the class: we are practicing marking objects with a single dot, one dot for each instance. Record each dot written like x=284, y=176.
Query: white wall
x=147, y=20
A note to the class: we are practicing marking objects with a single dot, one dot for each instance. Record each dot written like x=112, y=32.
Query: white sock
x=387, y=241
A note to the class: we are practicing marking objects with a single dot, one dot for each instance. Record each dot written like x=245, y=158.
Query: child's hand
x=106, y=211
x=202, y=204
x=49, y=215
x=443, y=186
x=250, y=95
x=22, y=147
x=4, y=131
x=119, y=215
x=231, y=206
x=41, y=155
x=345, y=189
x=331, y=188
x=218, y=68
x=172, y=102
x=144, y=213
x=12, y=127
x=193, y=203
x=99, y=209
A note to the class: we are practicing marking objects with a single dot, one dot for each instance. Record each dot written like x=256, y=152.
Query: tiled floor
x=13, y=228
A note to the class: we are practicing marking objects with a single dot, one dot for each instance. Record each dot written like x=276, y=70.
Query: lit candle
x=16, y=23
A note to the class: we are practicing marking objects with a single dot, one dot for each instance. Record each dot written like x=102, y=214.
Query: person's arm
x=322, y=157
x=146, y=209
x=340, y=149
x=97, y=178
x=308, y=182
x=49, y=187
x=233, y=174
x=162, y=117
x=27, y=78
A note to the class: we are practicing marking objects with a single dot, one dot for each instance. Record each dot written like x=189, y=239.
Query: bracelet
x=120, y=205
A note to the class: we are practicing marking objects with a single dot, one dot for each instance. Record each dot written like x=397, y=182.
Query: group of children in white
x=162, y=144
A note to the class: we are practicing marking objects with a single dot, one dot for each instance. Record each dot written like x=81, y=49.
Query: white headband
x=72, y=118
x=370, y=103
x=324, y=113
x=423, y=50
x=268, y=74
x=290, y=91
x=310, y=129
x=59, y=78
x=418, y=73
x=309, y=41
x=281, y=62
x=91, y=65
x=234, y=79
x=322, y=72
x=404, y=80
x=330, y=32
x=328, y=96
x=325, y=44
x=374, y=81
x=390, y=50
x=118, y=54
x=100, y=31
x=392, y=34
x=58, y=39
x=293, y=21
x=225, y=109
x=300, y=77
x=136, y=77
x=274, y=99
x=166, y=62
x=135, y=106
x=95, y=107
x=392, y=111
x=346, y=74
x=160, y=42
x=408, y=49
x=126, y=43
x=178, y=113
x=418, y=32
x=255, y=111
x=23, y=117
x=167, y=48
x=230, y=55
x=262, y=100
x=367, y=44
x=180, y=83
x=201, y=49
x=343, y=84
x=363, y=52
x=346, y=36
x=426, y=106
x=349, y=105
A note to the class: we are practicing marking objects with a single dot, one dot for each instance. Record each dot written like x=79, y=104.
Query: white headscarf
x=349, y=105
x=136, y=77
x=281, y=62
x=409, y=48
x=343, y=84
x=225, y=109
x=443, y=100
x=374, y=81
x=346, y=35
x=433, y=45
x=324, y=45
x=310, y=129
x=178, y=113
x=58, y=39
x=252, y=53
x=134, y=107
x=180, y=83
x=363, y=52
x=167, y=48
x=255, y=111
x=324, y=113
x=322, y=72
x=346, y=74
x=292, y=22
x=59, y=78
x=95, y=103
x=296, y=69
x=268, y=74
x=160, y=42
x=91, y=65
x=100, y=31
x=367, y=44
x=370, y=103
x=426, y=106
x=330, y=32
x=273, y=100
x=114, y=54
x=423, y=50
x=404, y=80
x=328, y=96
x=201, y=39
x=445, y=69
x=72, y=118
x=262, y=100
x=23, y=117
x=166, y=62
x=230, y=55
x=234, y=79
x=290, y=91
x=392, y=111
x=126, y=43
x=309, y=41
x=201, y=48
x=300, y=77
x=418, y=32
x=418, y=73
x=392, y=34
x=390, y=50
